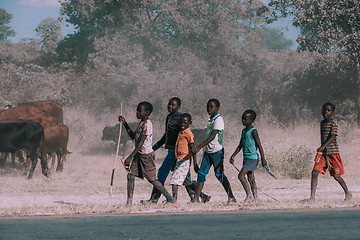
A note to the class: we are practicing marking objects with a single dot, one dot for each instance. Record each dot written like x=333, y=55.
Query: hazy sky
x=27, y=14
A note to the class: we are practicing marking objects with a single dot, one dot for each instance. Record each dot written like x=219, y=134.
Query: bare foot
x=231, y=200
x=249, y=199
x=308, y=200
x=348, y=197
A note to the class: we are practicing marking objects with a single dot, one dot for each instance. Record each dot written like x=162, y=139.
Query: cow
x=44, y=121
x=50, y=107
x=112, y=134
x=56, y=141
x=26, y=134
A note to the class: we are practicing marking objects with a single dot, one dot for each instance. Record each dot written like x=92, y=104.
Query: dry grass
x=83, y=186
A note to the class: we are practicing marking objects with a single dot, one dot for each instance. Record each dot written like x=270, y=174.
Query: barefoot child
x=328, y=156
x=141, y=162
x=249, y=143
x=172, y=129
x=184, y=145
x=214, y=152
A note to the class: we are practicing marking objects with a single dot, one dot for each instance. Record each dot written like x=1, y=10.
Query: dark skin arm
x=255, y=135
x=237, y=150
x=195, y=150
x=326, y=143
x=128, y=129
x=136, y=150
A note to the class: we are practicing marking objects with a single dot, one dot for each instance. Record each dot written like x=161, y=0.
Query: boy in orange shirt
x=184, y=144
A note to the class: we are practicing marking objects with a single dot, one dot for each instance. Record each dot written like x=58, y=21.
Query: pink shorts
x=331, y=162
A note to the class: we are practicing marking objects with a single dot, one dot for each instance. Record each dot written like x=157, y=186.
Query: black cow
x=112, y=134
x=27, y=134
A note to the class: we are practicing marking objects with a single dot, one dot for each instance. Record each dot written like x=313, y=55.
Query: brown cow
x=56, y=140
x=50, y=107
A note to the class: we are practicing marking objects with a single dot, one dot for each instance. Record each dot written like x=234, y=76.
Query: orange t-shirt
x=182, y=149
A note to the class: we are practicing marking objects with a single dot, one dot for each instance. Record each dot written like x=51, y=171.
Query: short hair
x=176, y=99
x=252, y=114
x=186, y=115
x=215, y=101
x=329, y=104
x=147, y=106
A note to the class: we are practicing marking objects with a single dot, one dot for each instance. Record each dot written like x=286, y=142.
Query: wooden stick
x=256, y=187
x=117, y=152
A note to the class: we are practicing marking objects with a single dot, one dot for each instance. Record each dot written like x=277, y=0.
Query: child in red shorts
x=328, y=156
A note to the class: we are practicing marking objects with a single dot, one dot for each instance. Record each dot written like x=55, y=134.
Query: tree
x=326, y=26
x=207, y=26
x=5, y=31
x=49, y=31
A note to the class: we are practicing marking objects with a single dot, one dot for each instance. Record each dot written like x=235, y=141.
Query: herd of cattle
x=37, y=129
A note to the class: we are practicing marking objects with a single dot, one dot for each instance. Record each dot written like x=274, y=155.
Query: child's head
x=174, y=105
x=185, y=121
x=248, y=117
x=143, y=110
x=212, y=107
x=328, y=110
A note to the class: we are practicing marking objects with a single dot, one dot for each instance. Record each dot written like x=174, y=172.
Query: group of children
x=179, y=141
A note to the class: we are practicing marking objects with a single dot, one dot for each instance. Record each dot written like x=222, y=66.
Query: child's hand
x=321, y=149
x=121, y=119
x=263, y=162
x=232, y=160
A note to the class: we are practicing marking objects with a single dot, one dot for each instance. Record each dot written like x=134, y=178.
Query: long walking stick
x=256, y=186
x=117, y=152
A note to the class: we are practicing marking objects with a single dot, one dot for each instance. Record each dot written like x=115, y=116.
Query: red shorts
x=331, y=162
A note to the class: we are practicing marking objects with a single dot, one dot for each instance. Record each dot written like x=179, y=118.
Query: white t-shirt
x=215, y=123
x=144, y=128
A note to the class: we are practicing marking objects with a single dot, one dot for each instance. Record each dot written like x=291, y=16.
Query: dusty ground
x=83, y=187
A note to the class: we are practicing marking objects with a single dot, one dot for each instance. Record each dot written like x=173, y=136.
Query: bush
x=295, y=163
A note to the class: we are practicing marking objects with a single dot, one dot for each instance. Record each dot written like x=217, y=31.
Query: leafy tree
x=327, y=26
x=49, y=31
x=5, y=31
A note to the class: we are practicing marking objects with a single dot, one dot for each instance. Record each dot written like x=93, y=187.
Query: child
x=141, y=162
x=172, y=129
x=183, y=147
x=328, y=153
x=214, y=152
x=249, y=143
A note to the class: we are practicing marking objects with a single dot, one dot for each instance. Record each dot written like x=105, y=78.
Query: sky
x=27, y=15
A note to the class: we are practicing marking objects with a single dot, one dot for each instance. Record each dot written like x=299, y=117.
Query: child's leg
x=191, y=188
x=130, y=188
x=245, y=183
x=175, y=192
x=251, y=179
x=162, y=189
x=203, y=171
x=342, y=183
x=162, y=174
x=198, y=189
x=314, y=182
x=218, y=162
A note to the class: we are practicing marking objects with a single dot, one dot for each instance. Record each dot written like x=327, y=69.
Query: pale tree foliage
x=327, y=26
x=49, y=31
x=5, y=30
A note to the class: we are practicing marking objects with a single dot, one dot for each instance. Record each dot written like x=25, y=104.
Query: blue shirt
x=249, y=145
